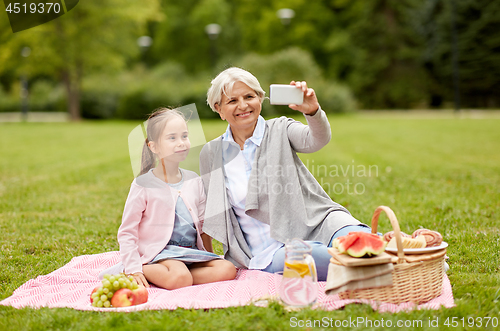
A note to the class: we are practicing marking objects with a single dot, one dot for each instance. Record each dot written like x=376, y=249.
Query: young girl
x=161, y=239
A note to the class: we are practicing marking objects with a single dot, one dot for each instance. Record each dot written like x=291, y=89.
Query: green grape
x=110, y=284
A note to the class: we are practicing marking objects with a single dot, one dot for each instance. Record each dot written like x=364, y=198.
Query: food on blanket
x=98, y=298
x=389, y=235
x=123, y=298
x=102, y=296
x=92, y=296
x=418, y=242
x=432, y=238
x=140, y=295
x=360, y=244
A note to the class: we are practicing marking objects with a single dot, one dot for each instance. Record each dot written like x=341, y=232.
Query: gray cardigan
x=281, y=190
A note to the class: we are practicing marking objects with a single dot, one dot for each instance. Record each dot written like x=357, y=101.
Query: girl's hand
x=140, y=279
x=310, y=105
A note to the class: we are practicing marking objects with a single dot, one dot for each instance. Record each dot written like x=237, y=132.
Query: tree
x=477, y=25
x=369, y=45
x=182, y=37
x=94, y=36
x=377, y=52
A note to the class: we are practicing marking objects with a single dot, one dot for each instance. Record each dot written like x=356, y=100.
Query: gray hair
x=224, y=83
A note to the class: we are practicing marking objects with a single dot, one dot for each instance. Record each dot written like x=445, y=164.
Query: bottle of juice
x=299, y=285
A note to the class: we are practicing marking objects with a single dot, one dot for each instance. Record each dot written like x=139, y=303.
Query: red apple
x=93, y=291
x=122, y=298
x=140, y=295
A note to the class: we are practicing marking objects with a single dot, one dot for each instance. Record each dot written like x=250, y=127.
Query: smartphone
x=285, y=95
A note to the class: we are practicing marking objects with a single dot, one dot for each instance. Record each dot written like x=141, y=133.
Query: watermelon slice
x=361, y=244
x=346, y=241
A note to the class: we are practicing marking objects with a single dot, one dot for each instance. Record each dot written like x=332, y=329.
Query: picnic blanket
x=70, y=287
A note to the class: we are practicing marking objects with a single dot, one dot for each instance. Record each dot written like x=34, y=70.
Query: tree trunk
x=71, y=83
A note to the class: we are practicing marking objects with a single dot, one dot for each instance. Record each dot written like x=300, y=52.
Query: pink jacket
x=149, y=214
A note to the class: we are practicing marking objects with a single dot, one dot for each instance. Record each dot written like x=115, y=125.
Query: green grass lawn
x=63, y=187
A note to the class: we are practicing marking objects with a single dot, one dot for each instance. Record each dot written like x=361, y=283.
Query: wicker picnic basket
x=418, y=281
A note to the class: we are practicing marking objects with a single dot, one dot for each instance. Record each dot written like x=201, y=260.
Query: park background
x=385, y=71
x=380, y=54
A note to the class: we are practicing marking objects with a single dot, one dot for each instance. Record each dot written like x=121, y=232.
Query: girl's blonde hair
x=155, y=125
x=224, y=83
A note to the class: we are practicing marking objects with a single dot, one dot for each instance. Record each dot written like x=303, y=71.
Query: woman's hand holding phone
x=310, y=105
x=296, y=95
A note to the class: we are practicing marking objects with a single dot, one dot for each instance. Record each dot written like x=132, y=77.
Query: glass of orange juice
x=299, y=285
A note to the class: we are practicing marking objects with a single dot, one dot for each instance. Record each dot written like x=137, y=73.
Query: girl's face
x=241, y=108
x=173, y=144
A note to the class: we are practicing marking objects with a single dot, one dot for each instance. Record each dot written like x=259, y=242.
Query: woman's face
x=241, y=108
x=173, y=144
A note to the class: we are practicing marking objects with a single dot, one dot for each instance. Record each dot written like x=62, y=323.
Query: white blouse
x=237, y=168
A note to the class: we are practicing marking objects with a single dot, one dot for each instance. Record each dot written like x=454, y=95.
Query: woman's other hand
x=310, y=105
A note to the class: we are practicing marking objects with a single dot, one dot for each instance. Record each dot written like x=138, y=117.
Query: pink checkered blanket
x=71, y=285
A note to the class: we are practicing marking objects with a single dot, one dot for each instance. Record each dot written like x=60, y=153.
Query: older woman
x=259, y=193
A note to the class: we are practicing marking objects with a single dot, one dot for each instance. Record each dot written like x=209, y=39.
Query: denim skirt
x=184, y=254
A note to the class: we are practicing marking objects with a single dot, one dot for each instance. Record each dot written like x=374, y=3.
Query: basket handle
x=395, y=226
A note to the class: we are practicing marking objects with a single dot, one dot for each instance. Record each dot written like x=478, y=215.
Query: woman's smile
x=246, y=114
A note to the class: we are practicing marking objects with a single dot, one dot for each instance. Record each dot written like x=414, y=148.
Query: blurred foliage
x=478, y=23
x=8, y=103
x=135, y=93
x=374, y=54
x=379, y=53
x=47, y=96
x=96, y=36
x=166, y=85
x=294, y=63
